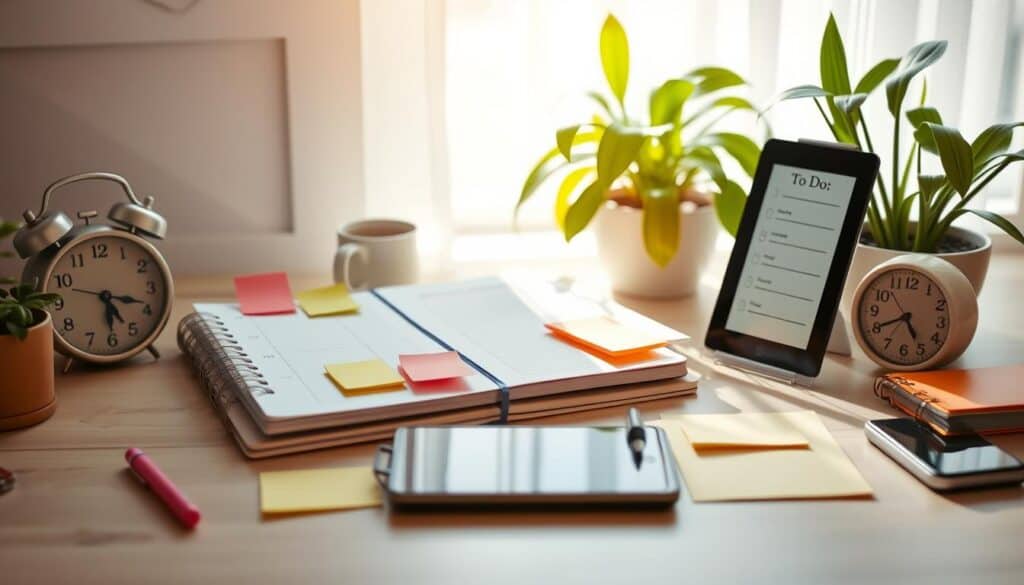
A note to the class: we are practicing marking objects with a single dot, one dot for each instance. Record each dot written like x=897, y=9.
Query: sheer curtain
x=462, y=96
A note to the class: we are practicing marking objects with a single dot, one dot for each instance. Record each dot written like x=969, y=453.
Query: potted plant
x=938, y=200
x=654, y=182
x=26, y=353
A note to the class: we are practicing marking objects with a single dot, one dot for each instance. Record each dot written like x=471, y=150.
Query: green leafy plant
x=652, y=162
x=22, y=307
x=7, y=228
x=939, y=199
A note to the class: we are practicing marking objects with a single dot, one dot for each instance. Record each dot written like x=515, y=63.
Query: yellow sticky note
x=327, y=300
x=605, y=335
x=821, y=471
x=741, y=430
x=310, y=490
x=365, y=376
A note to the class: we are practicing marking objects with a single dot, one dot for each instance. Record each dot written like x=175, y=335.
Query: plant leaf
x=1000, y=222
x=929, y=185
x=583, y=209
x=667, y=101
x=601, y=101
x=738, y=146
x=661, y=224
x=7, y=228
x=729, y=204
x=916, y=60
x=956, y=156
x=618, y=148
x=835, y=77
x=564, y=138
x=549, y=164
x=993, y=140
x=919, y=116
x=706, y=159
x=796, y=93
x=876, y=75
x=850, y=102
x=732, y=102
x=566, y=189
x=615, y=57
x=711, y=79
x=17, y=330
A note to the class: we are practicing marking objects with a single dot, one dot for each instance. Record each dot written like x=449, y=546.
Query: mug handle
x=343, y=261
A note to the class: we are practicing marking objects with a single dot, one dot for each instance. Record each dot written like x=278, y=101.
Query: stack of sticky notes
x=760, y=456
x=365, y=376
x=431, y=367
x=327, y=300
x=312, y=490
x=606, y=336
x=264, y=294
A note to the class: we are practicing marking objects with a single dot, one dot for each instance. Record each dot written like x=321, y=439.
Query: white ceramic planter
x=973, y=263
x=620, y=246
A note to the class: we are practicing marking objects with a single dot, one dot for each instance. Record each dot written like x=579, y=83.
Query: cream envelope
x=753, y=430
x=820, y=471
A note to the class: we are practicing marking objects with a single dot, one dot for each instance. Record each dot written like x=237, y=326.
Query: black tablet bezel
x=863, y=166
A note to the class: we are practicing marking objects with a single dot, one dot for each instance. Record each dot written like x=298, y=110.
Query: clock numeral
x=888, y=340
x=99, y=251
x=874, y=310
x=91, y=335
x=123, y=255
x=112, y=340
x=69, y=324
x=935, y=339
x=920, y=349
x=929, y=291
x=940, y=323
x=876, y=327
x=913, y=282
x=77, y=260
x=147, y=310
x=133, y=329
x=63, y=279
x=59, y=304
x=882, y=295
x=142, y=266
x=895, y=282
x=940, y=305
x=150, y=287
x=904, y=350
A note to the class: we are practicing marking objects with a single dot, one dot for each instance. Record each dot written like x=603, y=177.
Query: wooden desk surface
x=77, y=515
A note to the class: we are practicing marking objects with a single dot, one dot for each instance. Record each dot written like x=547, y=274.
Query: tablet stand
x=838, y=343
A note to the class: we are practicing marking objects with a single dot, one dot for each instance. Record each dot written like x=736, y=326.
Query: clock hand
x=109, y=315
x=82, y=290
x=898, y=306
x=891, y=321
x=910, y=328
x=126, y=299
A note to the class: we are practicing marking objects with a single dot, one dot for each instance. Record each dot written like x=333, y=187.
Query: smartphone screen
x=528, y=461
x=948, y=456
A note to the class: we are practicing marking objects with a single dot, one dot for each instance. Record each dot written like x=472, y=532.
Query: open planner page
x=493, y=324
x=291, y=351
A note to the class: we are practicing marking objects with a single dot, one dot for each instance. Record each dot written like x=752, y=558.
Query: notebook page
x=291, y=351
x=495, y=327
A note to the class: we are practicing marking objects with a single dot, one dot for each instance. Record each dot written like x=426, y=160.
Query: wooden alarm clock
x=115, y=286
x=914, y=312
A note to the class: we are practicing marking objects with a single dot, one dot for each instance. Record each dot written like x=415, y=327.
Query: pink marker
x=150, y=474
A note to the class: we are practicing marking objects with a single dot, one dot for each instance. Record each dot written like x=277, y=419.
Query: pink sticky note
x=264, y=294
x=423, y=367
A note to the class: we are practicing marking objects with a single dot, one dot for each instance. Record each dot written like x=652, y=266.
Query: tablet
x=796, y=239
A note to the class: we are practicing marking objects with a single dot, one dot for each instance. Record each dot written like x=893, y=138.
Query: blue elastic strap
x=497, y=382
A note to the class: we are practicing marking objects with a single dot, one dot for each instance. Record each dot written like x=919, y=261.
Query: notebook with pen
x=267, y=376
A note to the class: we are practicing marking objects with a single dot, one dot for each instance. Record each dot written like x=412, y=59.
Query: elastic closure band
x=503, y=419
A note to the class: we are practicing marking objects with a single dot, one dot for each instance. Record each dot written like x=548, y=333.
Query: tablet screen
x=794, y=241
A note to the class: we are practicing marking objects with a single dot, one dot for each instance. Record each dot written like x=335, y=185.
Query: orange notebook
x=954, y=402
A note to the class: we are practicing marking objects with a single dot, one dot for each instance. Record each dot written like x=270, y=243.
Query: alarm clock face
x=114, y=291
x=903, y=317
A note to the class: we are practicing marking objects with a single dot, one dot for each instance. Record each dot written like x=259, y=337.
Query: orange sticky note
x=365, y=376
x=264, y=294
x=605, y=335
x=424, y=367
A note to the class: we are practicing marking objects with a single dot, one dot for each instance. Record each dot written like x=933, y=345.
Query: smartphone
x=525, y=465
x=944, y=463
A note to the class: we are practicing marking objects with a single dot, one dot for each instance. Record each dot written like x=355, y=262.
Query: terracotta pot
x=973, y=263
x=620, y=246
x=26, y=377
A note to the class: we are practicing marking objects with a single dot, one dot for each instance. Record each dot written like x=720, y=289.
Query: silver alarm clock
x=115, y=286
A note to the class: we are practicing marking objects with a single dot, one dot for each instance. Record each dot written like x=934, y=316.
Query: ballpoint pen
x=636, y=436
x=172, y=497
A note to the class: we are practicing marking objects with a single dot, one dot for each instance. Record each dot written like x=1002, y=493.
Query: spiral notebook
x=266, y=377
x=956, y=402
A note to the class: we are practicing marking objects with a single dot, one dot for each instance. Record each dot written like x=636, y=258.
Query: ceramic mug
x=376, y=252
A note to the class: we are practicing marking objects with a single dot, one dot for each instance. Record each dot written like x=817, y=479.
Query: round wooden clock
x=914, y=312
x=115, y=286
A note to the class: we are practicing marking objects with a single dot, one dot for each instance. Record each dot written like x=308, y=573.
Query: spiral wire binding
x=223, y=367
x=886, y=387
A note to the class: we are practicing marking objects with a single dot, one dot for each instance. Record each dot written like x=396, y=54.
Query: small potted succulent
x=903, y=188
x=652, y=183
x=26, y=354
